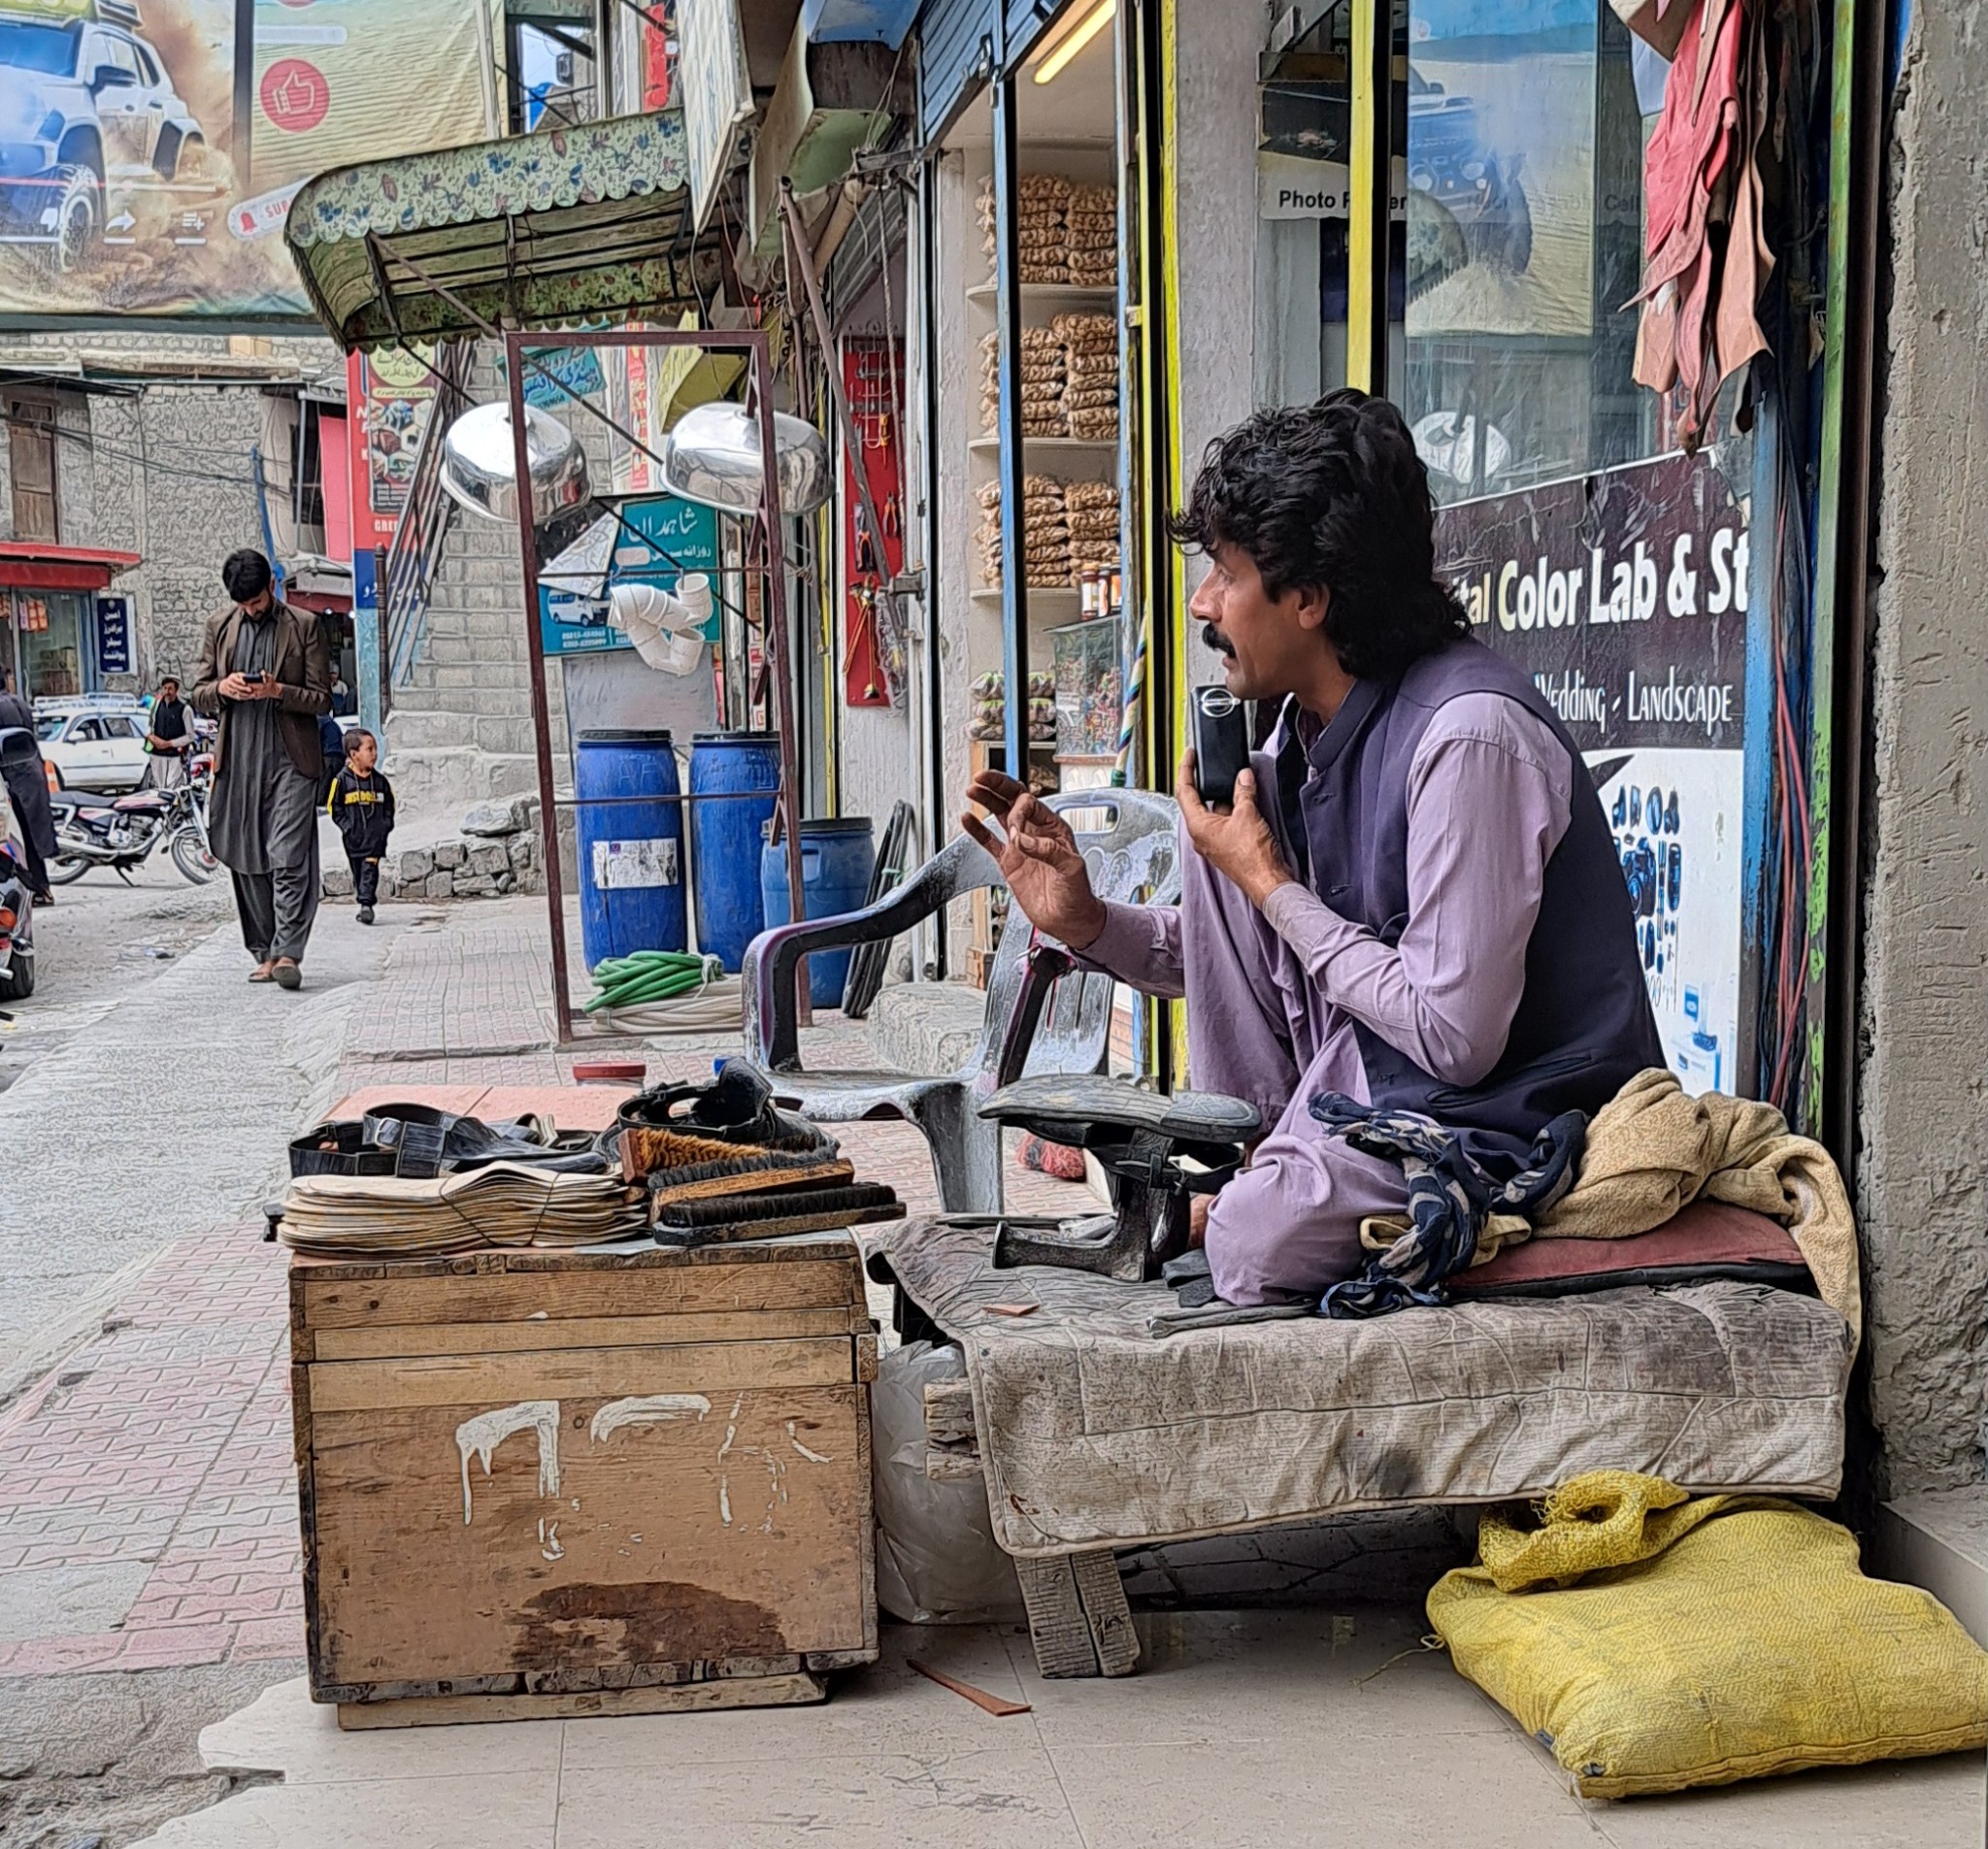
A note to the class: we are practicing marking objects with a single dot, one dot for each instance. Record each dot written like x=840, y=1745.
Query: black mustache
x=1216, y=640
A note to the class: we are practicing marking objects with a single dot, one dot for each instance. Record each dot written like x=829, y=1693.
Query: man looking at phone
x=265, y=673
x=1413, y=899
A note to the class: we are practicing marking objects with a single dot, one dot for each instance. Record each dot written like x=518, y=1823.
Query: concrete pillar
x=1923, y=1174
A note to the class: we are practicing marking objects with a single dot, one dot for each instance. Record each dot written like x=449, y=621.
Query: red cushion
x=1707, y=1240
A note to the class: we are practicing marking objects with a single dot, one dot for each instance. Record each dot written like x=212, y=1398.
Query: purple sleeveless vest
x=1583, y=1026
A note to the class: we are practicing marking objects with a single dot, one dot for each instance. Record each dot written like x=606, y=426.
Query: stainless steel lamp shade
x=480, y=464
x=712, y=457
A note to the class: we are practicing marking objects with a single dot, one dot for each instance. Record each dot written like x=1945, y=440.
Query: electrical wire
x=112, y=452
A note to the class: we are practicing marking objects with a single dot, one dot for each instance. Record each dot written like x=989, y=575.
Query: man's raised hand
x=1036, y=854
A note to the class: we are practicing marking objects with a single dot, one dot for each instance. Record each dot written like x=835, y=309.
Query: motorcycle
x=121, y=831
x=16, y=917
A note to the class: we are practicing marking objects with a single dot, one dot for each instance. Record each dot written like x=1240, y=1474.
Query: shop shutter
x=1026, y=20
x=955, y=39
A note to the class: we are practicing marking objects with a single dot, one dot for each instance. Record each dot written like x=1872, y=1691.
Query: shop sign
x=558, y=375
x=114, y=635
x=1624, y=595
x=717, y=94
x=668, y=538
x=1290, y=186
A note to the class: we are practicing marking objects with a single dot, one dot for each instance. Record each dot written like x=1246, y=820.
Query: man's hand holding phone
x=251, y=686
x=1234, y=839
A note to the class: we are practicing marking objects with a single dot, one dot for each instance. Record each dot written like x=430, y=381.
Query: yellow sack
x=1655, y=1642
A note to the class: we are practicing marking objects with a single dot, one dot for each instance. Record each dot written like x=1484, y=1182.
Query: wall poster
x=154, y=148
x=1624, y=595
x=388, y=396
x=669, y=538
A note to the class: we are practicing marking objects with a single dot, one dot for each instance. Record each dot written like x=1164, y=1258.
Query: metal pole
x=372, y=691
x=541, y=718
x=1015, y=590
x=777, y=646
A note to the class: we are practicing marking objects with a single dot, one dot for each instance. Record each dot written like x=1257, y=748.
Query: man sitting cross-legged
x=1414, y=899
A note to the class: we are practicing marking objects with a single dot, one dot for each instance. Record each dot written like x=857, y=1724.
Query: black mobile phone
x=1221, y=743
x=256, y=679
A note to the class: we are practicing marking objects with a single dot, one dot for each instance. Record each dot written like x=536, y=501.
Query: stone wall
x=183, y=508
x=157, y=462
x=471, y=868
x=1922, y=1177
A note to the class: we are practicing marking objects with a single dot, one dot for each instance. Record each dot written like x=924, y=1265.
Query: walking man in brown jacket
x=265, y=673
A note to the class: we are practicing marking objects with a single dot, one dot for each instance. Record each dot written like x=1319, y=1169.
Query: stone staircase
x=459, y=729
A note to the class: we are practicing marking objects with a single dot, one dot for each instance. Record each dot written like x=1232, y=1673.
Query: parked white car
x=95, y=748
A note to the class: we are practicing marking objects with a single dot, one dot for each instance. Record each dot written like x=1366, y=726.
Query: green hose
x=648, y=976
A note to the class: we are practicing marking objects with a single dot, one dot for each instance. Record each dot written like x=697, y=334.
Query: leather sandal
x=735, y=1106
x=418, y=1141
x=287, y=975
x=263, y=973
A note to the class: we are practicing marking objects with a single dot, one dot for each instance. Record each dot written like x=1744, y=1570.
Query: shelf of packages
x=991, y=446
x=988, y=294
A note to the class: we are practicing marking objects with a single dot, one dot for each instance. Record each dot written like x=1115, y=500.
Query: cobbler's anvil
x=1158, y=1151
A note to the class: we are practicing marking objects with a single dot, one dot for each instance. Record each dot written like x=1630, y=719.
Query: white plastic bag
x=936, y=1558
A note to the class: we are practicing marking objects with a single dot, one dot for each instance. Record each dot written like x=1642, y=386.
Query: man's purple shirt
x=1273, y=996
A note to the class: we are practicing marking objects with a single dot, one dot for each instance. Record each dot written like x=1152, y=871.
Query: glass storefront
x=49, y=641
x=1524, y=152
x=1579, y=538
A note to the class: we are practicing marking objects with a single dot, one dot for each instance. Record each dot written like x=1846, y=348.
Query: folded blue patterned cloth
x=1449, y=1199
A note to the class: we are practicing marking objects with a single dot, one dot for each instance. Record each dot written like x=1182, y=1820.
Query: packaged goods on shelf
x=1045, y=534
x=988, y=714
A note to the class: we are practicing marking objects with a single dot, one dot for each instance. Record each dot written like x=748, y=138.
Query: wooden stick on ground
x=980, y=1697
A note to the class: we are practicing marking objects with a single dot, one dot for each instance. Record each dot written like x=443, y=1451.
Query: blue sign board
x=366, y=635
x=555, y=376
x=655, y=541
x=114, y=635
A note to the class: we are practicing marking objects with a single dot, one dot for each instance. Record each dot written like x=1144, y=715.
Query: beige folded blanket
x=1652, y=1149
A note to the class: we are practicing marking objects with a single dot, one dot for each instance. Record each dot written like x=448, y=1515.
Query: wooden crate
x=540, y=1482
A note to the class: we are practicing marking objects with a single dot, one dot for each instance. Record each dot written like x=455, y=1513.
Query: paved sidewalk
x=148, y=1523
x=148, y=1499
x=1240, y=1731
x=165, y=1117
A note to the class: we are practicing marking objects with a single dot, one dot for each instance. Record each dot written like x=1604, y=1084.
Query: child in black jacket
x=362, y=803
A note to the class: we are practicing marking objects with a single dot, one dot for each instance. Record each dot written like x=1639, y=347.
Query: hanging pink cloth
x=1705, y=255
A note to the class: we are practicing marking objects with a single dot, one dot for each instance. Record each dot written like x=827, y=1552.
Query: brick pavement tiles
x=158, y=1459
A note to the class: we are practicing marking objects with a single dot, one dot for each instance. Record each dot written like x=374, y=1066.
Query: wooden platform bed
x=1094, y=1435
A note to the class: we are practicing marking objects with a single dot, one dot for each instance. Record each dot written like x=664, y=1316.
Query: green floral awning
x=540, y=230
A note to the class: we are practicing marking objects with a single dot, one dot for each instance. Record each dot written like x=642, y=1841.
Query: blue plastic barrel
x=836, y=859
x=724, y=837
x=631, y=854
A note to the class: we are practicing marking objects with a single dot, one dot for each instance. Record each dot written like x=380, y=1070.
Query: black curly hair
x=1332, y=496
x=245, y=573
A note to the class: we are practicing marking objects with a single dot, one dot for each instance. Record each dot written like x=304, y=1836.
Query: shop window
x=31, y=457
x=1524, y=146
x=51, y=627
x=550, y=75
x=310, y=500
x=1304, y=189
x=643, y=46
